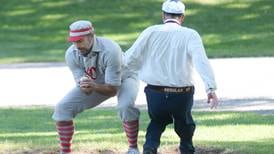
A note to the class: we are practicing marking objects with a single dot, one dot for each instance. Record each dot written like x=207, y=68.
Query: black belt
x=171, y=89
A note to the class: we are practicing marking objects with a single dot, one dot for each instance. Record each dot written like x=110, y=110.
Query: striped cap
x=78, y=29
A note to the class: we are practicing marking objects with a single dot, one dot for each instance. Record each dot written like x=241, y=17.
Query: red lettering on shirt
x=91, y=72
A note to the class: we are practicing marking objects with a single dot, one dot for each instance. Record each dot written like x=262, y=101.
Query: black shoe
x=150, y=151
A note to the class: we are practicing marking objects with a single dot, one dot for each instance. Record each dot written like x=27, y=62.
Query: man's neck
x=89, y=51
x=172, y=20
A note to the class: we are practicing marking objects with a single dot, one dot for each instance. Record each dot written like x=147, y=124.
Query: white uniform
x=104, y=65
x=173, y=53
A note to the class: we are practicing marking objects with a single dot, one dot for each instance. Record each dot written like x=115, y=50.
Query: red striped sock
x=131, y=128
x=65, y=132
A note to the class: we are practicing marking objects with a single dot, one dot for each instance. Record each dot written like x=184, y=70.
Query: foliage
x=36, y=30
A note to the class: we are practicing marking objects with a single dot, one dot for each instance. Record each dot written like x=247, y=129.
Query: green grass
x=36, y=30
x=33, y=128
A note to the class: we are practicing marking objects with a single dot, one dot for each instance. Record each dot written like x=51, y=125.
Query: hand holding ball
x=86, y=85
x=85, y=82
x=84, y=78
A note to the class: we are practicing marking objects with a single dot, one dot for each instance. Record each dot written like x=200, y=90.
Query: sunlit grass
x=19, y=12
x=33, y=128
x=242, y=133
x=238, y=6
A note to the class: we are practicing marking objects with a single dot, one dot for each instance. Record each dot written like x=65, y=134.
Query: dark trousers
x=165, y=108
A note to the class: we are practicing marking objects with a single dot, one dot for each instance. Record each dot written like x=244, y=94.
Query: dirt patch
x=172, y=150
x=198, y=150
x=56, y=152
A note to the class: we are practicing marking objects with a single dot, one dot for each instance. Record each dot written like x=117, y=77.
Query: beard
x=85, y=47
x=84, y=51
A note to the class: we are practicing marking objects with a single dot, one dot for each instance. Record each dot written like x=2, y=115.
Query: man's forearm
x=105, y=89
x=88, y=86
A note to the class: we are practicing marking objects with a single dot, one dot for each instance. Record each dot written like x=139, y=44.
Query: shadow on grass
x=37, y=30
x=34, y=128
x=106, y=120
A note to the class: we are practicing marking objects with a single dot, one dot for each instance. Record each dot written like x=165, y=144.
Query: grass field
x=36, y=30
x=32, y=130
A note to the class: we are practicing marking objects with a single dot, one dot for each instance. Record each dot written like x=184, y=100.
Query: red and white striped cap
x=78, y=29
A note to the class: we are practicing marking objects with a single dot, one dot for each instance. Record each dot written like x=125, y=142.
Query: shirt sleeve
x=133, y=56
x=74, y=65
x=113, y=66
x=201, y=62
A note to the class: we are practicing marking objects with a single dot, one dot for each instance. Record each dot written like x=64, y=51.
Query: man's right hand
x=86, y=85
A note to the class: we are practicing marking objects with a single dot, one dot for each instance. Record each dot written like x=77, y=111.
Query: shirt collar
x=95, y=46
x=172, y=21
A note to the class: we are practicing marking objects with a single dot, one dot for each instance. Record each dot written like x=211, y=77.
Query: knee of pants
x=124, y=105
x=129, y=113
x=185, y=131
x=64, y=112
x=126, y=101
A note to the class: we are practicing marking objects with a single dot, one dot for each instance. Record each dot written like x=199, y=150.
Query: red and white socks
x=131, y=129
x=65, y=131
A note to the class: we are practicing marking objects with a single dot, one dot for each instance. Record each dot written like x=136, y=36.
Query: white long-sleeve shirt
x=166, y=55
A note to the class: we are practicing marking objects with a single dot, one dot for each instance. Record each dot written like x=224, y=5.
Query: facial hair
x=84, y=51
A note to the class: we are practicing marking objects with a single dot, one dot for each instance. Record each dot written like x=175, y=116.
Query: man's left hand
x=212, y=99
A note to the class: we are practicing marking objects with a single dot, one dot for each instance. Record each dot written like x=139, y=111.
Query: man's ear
x=163, y=16
x=182, y=18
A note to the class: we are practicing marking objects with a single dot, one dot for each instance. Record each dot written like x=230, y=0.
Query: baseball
x=84, y=78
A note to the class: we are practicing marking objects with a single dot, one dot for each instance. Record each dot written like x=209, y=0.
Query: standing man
x=96, y=64
x=165, y=55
